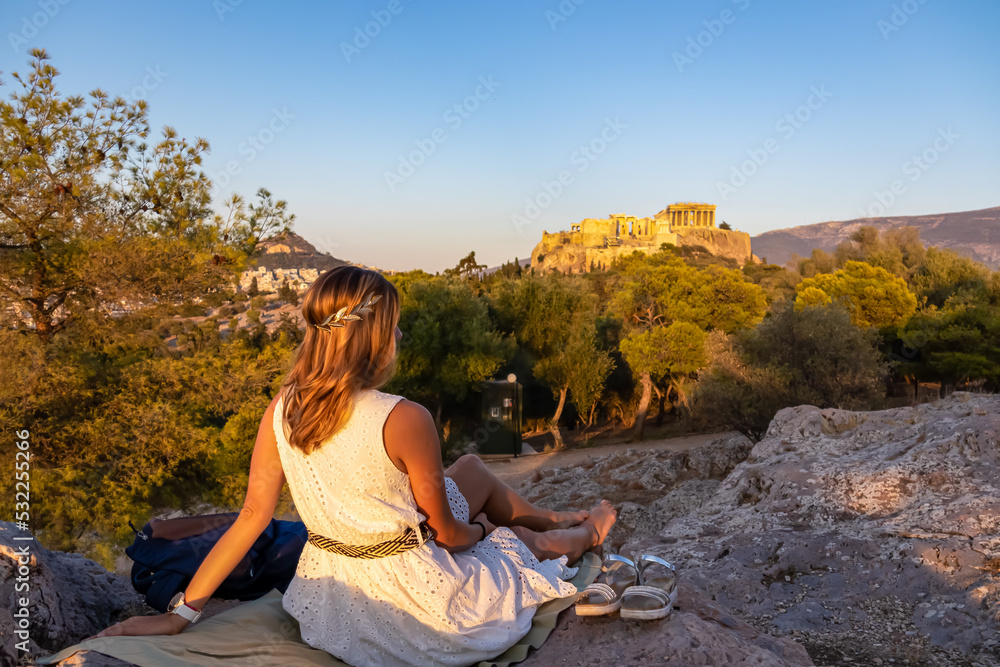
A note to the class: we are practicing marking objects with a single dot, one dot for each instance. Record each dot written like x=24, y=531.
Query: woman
x=407, y=563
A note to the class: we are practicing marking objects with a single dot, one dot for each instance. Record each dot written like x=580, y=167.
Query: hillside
x=972, y=233
x=291, y=251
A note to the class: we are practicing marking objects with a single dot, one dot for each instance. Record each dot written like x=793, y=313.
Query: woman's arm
x=412, y=443
x=266, y=479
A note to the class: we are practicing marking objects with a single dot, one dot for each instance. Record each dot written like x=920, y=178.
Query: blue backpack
x=166, y=556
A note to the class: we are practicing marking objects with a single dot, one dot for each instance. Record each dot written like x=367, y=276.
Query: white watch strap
x=190, y=614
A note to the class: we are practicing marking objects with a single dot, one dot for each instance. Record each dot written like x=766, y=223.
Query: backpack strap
x=138, y=533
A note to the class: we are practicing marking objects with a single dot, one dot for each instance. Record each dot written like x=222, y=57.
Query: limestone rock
x=866, y=536
x=71, y=597
x=698, y=632
x=719, y=242
x=631, y=475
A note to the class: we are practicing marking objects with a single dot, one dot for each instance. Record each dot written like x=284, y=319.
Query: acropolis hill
x=593, y=243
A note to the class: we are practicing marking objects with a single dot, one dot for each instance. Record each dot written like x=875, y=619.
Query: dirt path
x=515, y=471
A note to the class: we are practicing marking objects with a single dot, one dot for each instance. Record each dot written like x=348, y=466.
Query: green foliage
x=671, y=354
x=258, y=303
x=660, y=289
x=664, y=351
x=812, y=355
x=956, y=344
x=231, y=459
x=898, y=250
x=191, y=310
x=83, y=220
x=777, y=282
x=119, y=429
x=468, y=267
x=661, y=298
x=553, y=318
x=287, y=294
x=818, y=262
x=590, y=370
x=288, y=328
x=874, y=296
x=507, y=270
x=244, y=226
x=944, y=273
x=92, y=216
x=449, y=344
x=215, y=299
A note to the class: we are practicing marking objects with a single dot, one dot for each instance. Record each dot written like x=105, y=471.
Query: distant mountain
x=975, y=234
x=291, y=251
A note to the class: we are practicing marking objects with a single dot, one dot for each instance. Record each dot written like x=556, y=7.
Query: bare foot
x=602, y=517
x=568, y=519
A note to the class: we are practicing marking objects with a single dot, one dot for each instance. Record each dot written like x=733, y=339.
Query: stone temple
x=594, y=243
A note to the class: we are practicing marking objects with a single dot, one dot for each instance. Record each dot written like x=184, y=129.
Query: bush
x=215, y=299
x=812, y=356
x=172, y=327
x=289, y=328
x=192, y=310
x=288, y=294
x=258, y=303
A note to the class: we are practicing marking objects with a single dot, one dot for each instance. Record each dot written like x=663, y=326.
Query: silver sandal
x=655, y=595
x=605, y=595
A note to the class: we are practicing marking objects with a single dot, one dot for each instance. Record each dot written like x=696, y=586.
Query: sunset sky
x=405, y=133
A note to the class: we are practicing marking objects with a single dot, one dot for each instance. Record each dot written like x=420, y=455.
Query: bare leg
x=503, y=507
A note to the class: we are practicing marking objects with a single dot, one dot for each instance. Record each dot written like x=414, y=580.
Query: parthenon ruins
x=691, y=215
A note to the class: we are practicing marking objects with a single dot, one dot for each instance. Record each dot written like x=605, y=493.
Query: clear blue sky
x=895, y=79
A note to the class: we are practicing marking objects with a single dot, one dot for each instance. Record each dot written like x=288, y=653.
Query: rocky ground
x=841, y=538
x=868, y=538
x=71, y=597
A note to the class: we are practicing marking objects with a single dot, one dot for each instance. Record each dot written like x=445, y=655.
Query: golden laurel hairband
x=337, y=320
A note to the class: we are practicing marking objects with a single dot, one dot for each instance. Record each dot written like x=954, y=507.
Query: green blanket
x=263, y=633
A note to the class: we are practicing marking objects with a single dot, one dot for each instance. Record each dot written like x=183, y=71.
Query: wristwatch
x=182, y=609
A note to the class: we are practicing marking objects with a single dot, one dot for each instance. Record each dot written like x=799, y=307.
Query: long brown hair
x=331, y=368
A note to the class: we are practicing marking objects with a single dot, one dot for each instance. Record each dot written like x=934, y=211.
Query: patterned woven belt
x=408, y=540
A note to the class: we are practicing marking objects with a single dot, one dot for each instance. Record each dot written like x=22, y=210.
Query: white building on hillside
x=272, y=280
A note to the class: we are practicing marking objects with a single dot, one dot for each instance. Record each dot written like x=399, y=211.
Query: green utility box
x=499, y=431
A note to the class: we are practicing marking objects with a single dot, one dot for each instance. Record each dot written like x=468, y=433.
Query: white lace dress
x=425, y=606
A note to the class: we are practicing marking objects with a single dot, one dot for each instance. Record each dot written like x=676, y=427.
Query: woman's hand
x=481, y=518
x=162, y=624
